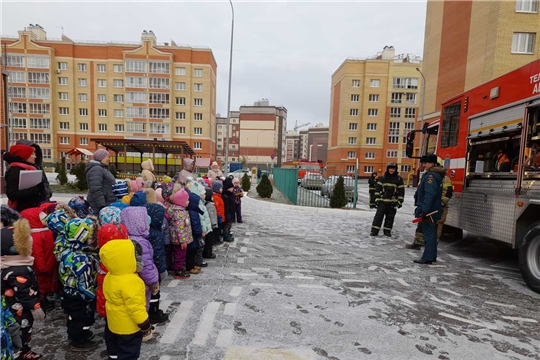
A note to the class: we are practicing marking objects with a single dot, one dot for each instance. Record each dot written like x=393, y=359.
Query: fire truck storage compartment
x=494, y=156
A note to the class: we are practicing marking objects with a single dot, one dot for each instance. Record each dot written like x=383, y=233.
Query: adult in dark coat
x=39, y=165
x=230, y=208
x=100, y=181
x=22, y=158
x=372, y=188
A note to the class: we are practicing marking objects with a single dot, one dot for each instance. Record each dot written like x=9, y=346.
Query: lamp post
x=229, y=95
x=423, y=107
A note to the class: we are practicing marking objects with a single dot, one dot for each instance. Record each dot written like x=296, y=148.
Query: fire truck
x=489, y=141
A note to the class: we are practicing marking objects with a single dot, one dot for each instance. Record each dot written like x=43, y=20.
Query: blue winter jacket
x=429, y=194
x=194, y=215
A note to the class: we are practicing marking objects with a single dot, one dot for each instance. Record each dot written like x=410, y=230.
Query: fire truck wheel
x=529, y=257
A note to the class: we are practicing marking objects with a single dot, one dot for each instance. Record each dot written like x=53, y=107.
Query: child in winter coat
x=127, y=320
x=81, y=206
x=19, y=282
x=238, y=194
x=195, y=216
x=230, y=208
x=206, y=224
x=212, y=213
x=217, y=188
x=179, y=230
x=120, y=189
x=10, y=334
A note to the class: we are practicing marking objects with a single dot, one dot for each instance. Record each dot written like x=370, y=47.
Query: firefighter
x=372, y=184
x=447, y=193
x=389, y=195
x=429, y=201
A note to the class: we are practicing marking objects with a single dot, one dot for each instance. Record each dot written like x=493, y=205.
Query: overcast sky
x=283, y=51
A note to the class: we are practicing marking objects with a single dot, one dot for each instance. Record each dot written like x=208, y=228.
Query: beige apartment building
x=374, y=104
x=63, y=93
x=468, y=43
x=234, y=137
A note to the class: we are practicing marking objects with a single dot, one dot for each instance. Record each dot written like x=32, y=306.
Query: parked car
x=312, y=181
x=328, y=187
x=238, y=173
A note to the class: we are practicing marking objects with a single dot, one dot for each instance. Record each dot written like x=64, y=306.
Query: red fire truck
x=489, y=140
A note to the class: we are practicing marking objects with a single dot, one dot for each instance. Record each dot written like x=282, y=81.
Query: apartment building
x=234, y=137
x=468, y=43
x=263, y=128
x=63, y=93
x=292, y=146
x=317, y=143
x=374, y=104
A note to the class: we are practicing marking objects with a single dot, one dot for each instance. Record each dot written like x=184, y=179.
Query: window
x=83, y=126
x=118, y=68
x=40, y=123
x=410, y=113
x=62, y=96
x=83, y=82
x=18, y=92
x=118, y=113
x=47, y=153
x=117, y=83
x=180, y=130
x=373, y=112
x=355, y=98
x=15, y=60
x=17, y=123
x=61, y=65
x=197, y=145
x=42, y=62
x=136, y=127
x=83, y=112
x=198, y=87
x=159, y=98
x=523, y=43
x=391, y=153
x=83, y=97
x=370, y=141
x=197, y=102
x=356, y=83
x=396, y=98
x=81, y=67
x=119, y=127
x=180, y=71
x=405, y=168
x=351, y=155
x=409, y=126
x=159, y=128
x=14, y=137
x=136, y=97
x=102, y=98
x=197, y=131
x=197, y=116
x=138, y=66
x=374, y=98
x=353, y=112
x=369, y=169
x=102, y=127
x=411, y=98
x=393, y=132
x=353, y=126
x=375, y=83
x=38, y=78
x=404, y=83
x=352, y=141
x=40, y=108
x=159, y=83
x=158, y=113
x=527, y=6
x=118, y=98
x=450, y=125
x=41, y=138
x=198, y=72
x=101, y=68
x=180, y=86
x=395, y=112
x=64, y=140
x=102, y=83
x=372, y=127
x=102, y=112
x=180, y=101
x=180, y=115
x=136, y=112
x=64, y=125
x=136, y=82
x=20, y=77
x=83, y=141
x=39, y=93
x=370, y=155
x=158, y=67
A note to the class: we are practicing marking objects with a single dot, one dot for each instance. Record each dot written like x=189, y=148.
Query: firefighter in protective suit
x=389, y=195
x=372, y=185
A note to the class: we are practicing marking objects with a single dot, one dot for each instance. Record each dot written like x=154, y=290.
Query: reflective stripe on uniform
x=376, y=227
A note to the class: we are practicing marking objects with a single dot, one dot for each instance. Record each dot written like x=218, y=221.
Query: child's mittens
x=38, y=314
x=147, y=330
x=154, y=289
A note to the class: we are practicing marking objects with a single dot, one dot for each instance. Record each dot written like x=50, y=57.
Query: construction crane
x=296, y=126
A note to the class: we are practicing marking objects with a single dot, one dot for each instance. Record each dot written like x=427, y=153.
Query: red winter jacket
x=220, y=206
x=45, y=264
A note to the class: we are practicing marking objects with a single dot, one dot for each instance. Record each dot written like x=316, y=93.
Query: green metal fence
x=286, y=180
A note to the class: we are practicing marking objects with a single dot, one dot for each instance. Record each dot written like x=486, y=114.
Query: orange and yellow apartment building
x=374, y=104
x=62, y=93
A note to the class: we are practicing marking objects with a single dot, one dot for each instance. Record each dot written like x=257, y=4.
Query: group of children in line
x=112, y=262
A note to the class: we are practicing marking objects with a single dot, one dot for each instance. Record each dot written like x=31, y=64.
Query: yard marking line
x=247, y=241
x=224, y=338
x=243, y=274
x=311, y=286
x=519, y=319
x=173, y=283
x=205, y=327
x=299, y=277
x=437, y=266
x=402, y=282
x=488, y=326
x=355, y=280
x=406, y=301
x=360, y=289
x=449, y=303
x=232, y=244
x=164, y=304
x=240, y=260
x=433, y=279
x=243, y=249
x=176, y=323
x=235, y=291
x=261, y=284
x=260, y=269
x=499, y=304
x=371, y=268
x=347, y=272
x=450, y=274
x=297, y=270
x=450, y=292
x=230, y=309
x=454, y=257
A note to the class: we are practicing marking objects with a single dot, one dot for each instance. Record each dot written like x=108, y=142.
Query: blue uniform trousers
x=429, y=230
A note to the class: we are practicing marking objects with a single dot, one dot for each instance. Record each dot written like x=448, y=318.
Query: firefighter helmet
x=391, y=164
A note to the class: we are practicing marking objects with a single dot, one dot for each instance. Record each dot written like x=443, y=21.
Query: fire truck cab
x=489, y=141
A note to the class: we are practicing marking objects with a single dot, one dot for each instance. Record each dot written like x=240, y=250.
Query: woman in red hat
x=21, y=158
